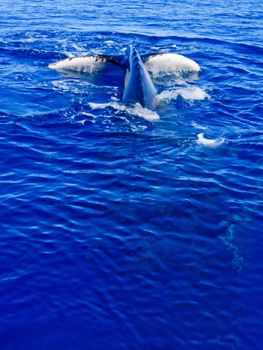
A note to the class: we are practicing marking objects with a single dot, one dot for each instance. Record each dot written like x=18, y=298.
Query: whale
x=138, y=71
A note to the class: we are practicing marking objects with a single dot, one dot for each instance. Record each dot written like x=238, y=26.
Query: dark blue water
x=118, y=232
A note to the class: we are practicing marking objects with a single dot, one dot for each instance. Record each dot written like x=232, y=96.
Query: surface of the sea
x=119, y=231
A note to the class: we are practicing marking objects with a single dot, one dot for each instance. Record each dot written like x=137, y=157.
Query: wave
x=198, y=126
x=30, y=53
x=187, y=38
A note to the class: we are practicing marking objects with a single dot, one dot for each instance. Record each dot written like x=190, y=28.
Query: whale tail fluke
x=156, y=64
x=139, y=72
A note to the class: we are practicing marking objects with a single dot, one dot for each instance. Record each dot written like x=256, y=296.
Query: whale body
x=138, y=71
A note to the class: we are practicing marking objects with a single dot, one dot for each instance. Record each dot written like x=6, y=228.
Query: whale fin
x=88, y=64
x=116, y=60
x=170, y=64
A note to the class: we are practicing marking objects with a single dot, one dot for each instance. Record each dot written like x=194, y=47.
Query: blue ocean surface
x=119, y=231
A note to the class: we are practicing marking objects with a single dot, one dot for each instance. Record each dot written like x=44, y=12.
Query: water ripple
x=119, y=230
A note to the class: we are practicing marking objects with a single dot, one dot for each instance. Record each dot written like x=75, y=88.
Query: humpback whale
x=138, y=71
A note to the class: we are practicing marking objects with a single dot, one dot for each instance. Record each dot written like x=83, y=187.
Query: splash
x=201, y=140
x=137, y=110
x=187, y=93
x=192, y=93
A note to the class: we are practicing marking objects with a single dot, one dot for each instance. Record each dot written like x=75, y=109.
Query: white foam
x=109, y=43
x=192, y=93
x=144, y=113
x=201, y=140
x=68, y=54
x=166, y=96
x=137, y=110
x=94, y=105
x=28, y=40
x=187, y=93
x=83, y=117
x=169, y=63
x=82, y=122
x=78, y=48
x=67, y=86
x=88, y=114
x=198, y=126
x=87, y=64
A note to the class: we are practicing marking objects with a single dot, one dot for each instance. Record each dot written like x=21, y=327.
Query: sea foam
x=137, y=110
x=187, y=93
x=212, y=143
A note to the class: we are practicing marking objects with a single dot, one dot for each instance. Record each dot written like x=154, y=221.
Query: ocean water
x=123, y=228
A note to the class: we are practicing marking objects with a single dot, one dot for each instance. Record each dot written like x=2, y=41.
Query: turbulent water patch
x=137, y=110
